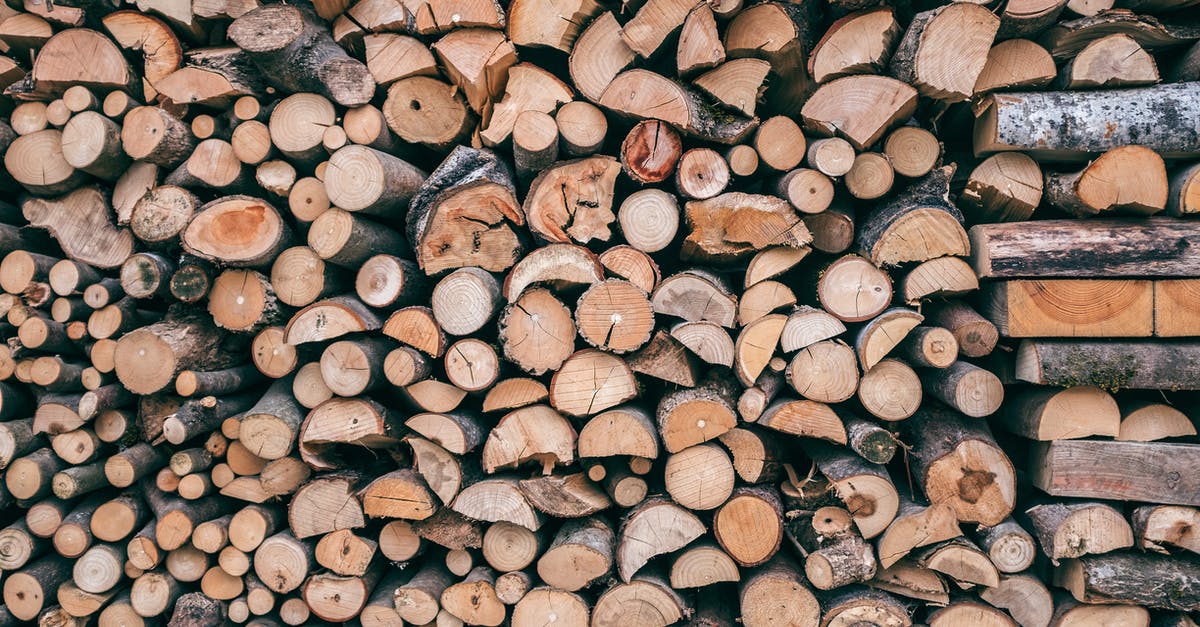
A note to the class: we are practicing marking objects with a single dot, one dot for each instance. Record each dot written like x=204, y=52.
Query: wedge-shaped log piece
x=962, y=561
x=1106, y=185
x=1068, y=38
x=1112, y=61
x=1129, y=471
x=1146, y=422
x=1160, y=527
x=562, y=266
x=696, y=295
x=859, y=108
x=81, y=224
x=804, y=418
x=1015, y=64
x=642, y=94
x=736, y=84
x=477, y=62
x=702, y=565
x=529, y=88
x=1062, y=414
x=878, y=337
x=665, y=357
x=945, y=49
x=161, y=51
x=647, y=600
x=591, y=381
x=565, y=496
x=1025, y=597
x=625, y=430
x=599, y=55
x=398, y=494
x=918, y=224
x=915, y=526
x=938, y=277
x=497, y=499
x=416, y=327
x=807, y=326
x=218, y=78
x=907, y=579
x=549, y=23
x=1075, y=529
x=755, y=346
x=534, y=433
x=77, y=56
x=582, y=552
x=357, y=420
x=656, y=527
x=573, y=200
x=442, y=471
x=1005, y=187
x=859, y=43
x=734, y=225
x=514, y=393
x=329, y=319
x=690, y=416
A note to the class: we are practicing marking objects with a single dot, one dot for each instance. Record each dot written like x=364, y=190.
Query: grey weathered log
x=1139, y=365
x=1078, y=125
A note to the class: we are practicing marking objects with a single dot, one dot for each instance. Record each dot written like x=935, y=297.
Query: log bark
x=1065, y=122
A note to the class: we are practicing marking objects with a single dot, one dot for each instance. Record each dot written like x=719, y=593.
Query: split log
x=924, y=58
x=1070, y=530
x=1104, y=187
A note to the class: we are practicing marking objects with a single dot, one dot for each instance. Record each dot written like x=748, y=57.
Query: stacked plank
x=449, y=312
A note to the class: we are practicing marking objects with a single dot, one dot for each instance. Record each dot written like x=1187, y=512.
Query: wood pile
x=577, y=312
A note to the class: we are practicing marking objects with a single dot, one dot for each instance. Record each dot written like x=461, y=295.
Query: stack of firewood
x=570, y=312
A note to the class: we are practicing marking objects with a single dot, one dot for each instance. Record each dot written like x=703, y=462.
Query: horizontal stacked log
x=560, y=312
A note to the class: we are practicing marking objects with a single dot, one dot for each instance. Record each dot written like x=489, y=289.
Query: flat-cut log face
x=977, y=480
x=643, y=94
x=322, y=321
x=859, y=108
x=920, y=235
x=472, y=226
x=235, y=230
x=560, y=265
x=80, y=56
x=618, y=432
